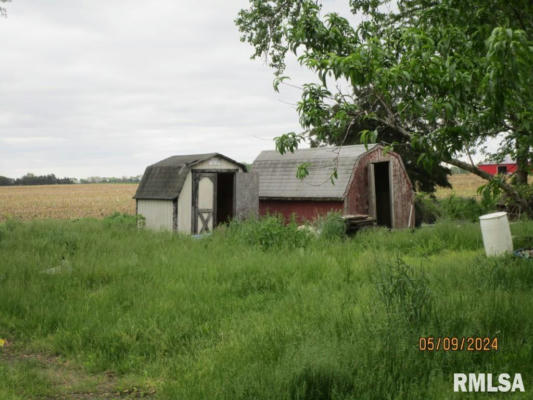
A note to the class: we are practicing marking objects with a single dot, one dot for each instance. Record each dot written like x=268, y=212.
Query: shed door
x=204, y=201
x=246, y=195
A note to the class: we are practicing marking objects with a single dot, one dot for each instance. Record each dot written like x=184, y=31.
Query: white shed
x=195, y=193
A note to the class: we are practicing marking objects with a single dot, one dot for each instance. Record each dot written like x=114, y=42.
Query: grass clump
x=268, y=232
x=122, y=221
x=462, y=208
x=429, y=209
x=404, y=291
x=331, y=226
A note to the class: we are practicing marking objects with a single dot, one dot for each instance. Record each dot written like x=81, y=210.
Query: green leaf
x=333, y=176
x=303, y=170
x=278, y=80
x=287, y=142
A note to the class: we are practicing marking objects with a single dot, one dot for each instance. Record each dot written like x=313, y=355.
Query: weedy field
x=97, y=309
x=66, y=201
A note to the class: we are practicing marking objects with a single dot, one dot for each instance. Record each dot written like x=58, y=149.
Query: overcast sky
x=104, y=88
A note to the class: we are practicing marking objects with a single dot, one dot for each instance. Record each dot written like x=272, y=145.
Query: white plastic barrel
x=496, y=234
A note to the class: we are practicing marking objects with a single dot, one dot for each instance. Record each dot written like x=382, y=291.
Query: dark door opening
x=225, y=197
x=383, y=200
x=502, y=170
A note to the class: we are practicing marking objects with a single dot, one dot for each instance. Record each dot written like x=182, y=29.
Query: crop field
x=463, y=185
x=66, y=201
x=96, y=309
x=99, y=200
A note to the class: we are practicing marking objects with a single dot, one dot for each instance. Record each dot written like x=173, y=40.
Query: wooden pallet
x=355, y=222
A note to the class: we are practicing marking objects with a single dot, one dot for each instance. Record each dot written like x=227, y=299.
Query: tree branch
x=510, y=190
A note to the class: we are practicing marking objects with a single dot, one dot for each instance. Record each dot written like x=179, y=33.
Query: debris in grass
x=524, y=253
x=310, y=229
x=64, y=266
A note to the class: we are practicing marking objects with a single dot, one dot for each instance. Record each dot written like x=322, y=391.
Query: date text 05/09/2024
x=453, y=343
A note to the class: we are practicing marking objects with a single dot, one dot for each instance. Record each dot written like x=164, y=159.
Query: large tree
x=433, y=79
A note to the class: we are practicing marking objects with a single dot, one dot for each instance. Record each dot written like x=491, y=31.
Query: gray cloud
x=93, y=87
x=105, y=88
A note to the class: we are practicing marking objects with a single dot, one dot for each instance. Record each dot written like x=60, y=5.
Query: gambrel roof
x=164, y=179
x=277, y=172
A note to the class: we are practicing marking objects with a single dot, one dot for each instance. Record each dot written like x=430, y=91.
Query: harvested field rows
x=66, y=201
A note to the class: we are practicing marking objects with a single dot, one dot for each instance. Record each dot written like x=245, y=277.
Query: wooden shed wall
x=185, y=206
x=357, y=198
x=304, y=210
x=158, y=214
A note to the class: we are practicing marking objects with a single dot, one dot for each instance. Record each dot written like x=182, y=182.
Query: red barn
x=369, y=182
x=507, y=166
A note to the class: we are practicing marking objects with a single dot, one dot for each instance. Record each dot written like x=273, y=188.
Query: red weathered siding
x=304, y=210
x=493, y=168
x=356, y=201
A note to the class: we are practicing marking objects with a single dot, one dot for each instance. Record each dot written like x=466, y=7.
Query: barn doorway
x=383, y=194
x=225, y=197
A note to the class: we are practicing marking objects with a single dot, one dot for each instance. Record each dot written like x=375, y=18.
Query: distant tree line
x=101, y=179
x=458, y=171
x=51, y=179
x=31, y=179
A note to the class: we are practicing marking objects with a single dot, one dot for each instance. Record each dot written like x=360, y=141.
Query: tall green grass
x=451, y=208
x=259, y=311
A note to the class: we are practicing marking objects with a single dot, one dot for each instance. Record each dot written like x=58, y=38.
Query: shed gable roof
x=277, y=173
x=164, y=179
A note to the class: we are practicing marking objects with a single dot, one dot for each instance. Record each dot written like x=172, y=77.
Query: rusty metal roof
x=277, y=173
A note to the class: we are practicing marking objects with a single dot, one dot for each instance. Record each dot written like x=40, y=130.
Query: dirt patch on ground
x=67, y=380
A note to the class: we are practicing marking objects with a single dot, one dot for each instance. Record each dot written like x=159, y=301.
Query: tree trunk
x=522, y=162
